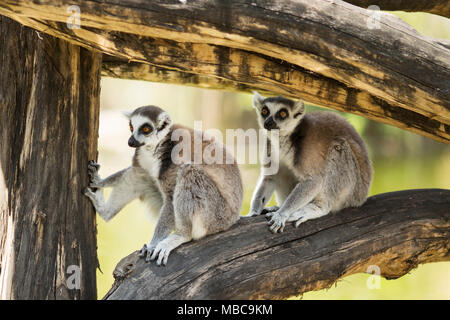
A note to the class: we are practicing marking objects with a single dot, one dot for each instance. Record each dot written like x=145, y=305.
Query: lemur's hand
x=94, y=177
x=268, y=211
x=277, y=221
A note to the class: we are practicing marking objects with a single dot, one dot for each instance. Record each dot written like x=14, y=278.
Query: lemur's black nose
x=132, y=142
x=270, y=124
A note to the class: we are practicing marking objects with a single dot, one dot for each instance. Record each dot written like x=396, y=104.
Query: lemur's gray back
x=325, y=141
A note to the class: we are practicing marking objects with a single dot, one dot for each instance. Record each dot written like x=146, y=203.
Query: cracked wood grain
x=49, y=98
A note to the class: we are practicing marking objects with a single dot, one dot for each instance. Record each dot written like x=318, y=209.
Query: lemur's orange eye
x=264, y=112
x=131, y=128
x=146, y=129
x=283, y=114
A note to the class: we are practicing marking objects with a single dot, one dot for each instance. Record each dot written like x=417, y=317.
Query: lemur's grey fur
x=193, y=200
x=324, y=164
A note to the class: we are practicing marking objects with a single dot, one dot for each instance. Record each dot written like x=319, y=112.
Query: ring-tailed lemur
x=323, y=164
x=193, y=199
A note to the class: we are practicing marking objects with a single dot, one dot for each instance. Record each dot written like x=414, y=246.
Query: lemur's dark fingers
x=276, y=224
x=155, y=253
x=148, y=256
x=166, y=257
x=143, y=251
x=92, y=165
x=274, y=228
x=161, y=255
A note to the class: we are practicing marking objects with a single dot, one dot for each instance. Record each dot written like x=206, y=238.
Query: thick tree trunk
x=49, y=99
x=391, y=233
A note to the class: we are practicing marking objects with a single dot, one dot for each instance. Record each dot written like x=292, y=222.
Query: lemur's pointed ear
x=257, y=100
x=164, y=120
x=127, y=114
x=299, y=108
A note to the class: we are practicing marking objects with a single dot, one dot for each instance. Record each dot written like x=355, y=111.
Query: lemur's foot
x=146, y=252
x=161, y=252
x=277, y=222
x=268, y=211
x=94, y=177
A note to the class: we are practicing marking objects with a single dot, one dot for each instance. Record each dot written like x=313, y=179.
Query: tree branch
x=391, y=62
x=394, y=231
x=269, y=76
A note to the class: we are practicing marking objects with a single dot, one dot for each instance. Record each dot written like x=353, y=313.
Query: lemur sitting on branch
x=323, y=164
x=193, y=199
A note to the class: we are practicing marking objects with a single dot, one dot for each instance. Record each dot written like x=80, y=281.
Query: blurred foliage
x=401, y=159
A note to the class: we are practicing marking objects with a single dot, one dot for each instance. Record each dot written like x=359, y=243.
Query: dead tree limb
x=219, y=67
x=392, y=63
x=395, y=231
x=273, y=77
x=49, y=105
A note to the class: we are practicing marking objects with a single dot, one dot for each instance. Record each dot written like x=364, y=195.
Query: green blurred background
x=402, y=160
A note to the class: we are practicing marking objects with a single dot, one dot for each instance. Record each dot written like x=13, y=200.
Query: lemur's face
x=278, y=112
x=148, y=126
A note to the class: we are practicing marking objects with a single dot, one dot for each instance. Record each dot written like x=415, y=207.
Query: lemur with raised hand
x=323, y=164
x=193, y=198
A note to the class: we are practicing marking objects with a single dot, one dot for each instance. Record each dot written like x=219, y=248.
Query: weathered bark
x=219, y=67
x=394, y=231
x=272, y=77
x=115, y=67
x=440, y=7
x=394, y=64
x=49, y=98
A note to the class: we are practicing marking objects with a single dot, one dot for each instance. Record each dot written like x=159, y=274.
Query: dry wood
x=440, y=7
x=49, y=98
x=234, y=69
x=272, y=77
x=394, y=63
x=394, y=231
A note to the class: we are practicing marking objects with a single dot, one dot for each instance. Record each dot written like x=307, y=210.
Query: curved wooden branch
x=245, y=71
x=219, y=67
x=334, y=39
x=394, y=231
